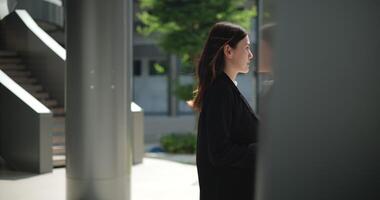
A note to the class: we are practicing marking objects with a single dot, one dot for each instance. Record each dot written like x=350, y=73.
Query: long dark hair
x=211, y=62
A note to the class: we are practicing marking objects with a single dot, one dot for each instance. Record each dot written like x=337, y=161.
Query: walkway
x=155, y=179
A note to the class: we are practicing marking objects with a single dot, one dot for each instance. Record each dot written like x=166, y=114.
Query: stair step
x=18, y=73
x=59, y=150
x=25, y=80
x=58, y=139
x=11, y=64
x=41, y=95
x=59, y=160
x=32, y=88
x=6, y=60
x=59, y=111
x=49, y=103
x=59, y=120
x=58, y=128
x=58, y=125
x=12, y=67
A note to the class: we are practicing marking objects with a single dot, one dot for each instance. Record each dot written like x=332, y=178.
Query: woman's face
x=241, y=56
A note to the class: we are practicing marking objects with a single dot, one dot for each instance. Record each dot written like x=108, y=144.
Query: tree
x=181, y=26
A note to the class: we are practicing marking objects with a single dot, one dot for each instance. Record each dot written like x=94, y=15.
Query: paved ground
x=155, y=179
x=165, y=180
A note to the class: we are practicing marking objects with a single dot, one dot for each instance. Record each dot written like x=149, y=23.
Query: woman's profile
x=227, y=126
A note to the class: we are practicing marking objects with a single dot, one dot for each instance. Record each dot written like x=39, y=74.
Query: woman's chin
x=246, y=70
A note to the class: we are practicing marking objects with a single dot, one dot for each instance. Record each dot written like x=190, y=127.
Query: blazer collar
x=236, y=89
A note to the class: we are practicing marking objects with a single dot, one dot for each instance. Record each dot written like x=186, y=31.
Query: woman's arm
x=222, y=151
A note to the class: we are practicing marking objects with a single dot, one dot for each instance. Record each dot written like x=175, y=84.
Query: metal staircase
x=12, y=65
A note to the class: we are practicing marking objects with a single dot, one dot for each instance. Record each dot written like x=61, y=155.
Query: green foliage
x=181, y=26
x=179, y=143
x=159, y=68
x=183, y=91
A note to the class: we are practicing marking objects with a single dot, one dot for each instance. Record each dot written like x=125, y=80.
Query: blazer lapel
x=241, y=96
x=247, y=104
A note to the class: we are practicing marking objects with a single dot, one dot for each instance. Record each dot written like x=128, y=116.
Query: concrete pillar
x=98, y=82
x=321, y=130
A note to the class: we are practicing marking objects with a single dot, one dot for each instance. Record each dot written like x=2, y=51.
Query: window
x=137, y=68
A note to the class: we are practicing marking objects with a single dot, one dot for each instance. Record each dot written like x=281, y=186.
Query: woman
x=227, y=127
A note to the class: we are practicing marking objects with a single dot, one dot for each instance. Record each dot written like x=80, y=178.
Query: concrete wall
x=157, y=126
x=137, y=133
x=25, y=142
x=151, y=93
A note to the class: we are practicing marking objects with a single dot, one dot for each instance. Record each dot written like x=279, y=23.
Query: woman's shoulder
x=220, y=88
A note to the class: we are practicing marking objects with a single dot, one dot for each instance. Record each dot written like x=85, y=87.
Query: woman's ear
x=227, y=51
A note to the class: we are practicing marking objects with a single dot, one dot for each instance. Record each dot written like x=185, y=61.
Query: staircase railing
x=25, y=142
x=50, y=11
x=44, y=57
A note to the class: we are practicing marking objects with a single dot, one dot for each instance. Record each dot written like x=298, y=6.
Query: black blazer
x=226, y=148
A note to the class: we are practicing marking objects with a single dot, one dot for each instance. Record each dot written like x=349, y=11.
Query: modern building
x=319, y=131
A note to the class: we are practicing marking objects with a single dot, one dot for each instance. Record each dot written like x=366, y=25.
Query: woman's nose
x=251, y=55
